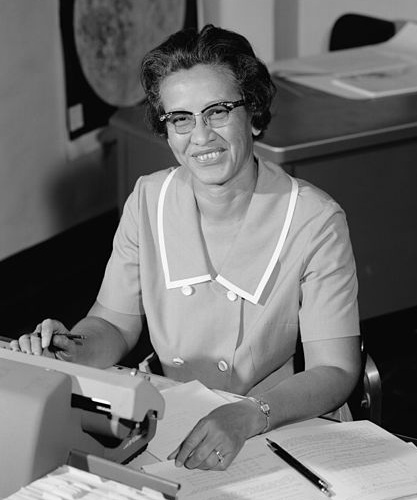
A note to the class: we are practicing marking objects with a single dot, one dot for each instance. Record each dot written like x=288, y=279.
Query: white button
x=231, y=296
x=187, y=290
x=178, y=361
x=222, y=365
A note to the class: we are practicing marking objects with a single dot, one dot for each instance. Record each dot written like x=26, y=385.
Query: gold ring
x=219, y=456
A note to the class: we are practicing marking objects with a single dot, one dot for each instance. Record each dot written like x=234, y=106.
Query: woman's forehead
x=201, y=83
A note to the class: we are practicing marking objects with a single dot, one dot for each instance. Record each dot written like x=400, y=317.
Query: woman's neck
x=227, y=203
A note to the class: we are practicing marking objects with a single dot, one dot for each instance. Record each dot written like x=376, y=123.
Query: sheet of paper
x=185, y=404
x=338, y=62
x=359, y=459
x=381, y=83
x=256, y=473
x=70, y=483
x=400, y=50
x=326, y=71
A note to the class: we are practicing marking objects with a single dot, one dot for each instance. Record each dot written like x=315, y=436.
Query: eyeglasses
x=214, y=116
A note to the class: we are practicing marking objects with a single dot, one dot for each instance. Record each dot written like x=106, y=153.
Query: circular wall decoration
x=111, y=38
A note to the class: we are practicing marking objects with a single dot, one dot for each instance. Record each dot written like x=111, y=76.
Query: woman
x=227, y=256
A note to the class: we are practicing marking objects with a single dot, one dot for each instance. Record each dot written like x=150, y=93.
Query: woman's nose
x=201, y=133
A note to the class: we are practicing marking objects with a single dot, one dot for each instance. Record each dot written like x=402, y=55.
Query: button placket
x=223, y=366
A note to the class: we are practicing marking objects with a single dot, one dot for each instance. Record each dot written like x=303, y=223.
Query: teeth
x=208, y=156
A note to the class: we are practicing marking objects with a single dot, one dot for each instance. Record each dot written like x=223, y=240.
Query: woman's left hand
x=217, y=438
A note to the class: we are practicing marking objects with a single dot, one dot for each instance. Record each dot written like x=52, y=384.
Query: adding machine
x=54, y=412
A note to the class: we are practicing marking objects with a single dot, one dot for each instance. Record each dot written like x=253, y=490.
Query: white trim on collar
x=253, y=298
x=275, y=256
x=162, y=248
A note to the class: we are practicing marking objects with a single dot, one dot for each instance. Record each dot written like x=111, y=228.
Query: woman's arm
x=110, y=336
x=331, y=372
x=332, y=369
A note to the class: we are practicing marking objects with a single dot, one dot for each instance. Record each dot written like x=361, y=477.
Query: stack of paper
x=380, y=70
x=360, y=460
x=69, y=483
x=381, y=83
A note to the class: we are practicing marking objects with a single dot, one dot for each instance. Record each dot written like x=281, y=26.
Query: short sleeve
x=121, y=287
x=328, y=300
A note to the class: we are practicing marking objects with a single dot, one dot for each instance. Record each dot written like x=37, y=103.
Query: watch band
x=264, y=407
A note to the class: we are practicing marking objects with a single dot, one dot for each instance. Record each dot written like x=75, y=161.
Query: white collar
x=251, y=261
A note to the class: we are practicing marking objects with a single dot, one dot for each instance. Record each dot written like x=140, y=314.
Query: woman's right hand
x=48, y=339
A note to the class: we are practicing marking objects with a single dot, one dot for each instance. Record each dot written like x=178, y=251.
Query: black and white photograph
x=208, y=249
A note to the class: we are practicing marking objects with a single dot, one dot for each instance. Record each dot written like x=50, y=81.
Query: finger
x=48, y=328
x=202, y=456
x=25, y=344
x=197, y=458
x=189, y=447
x=14, y=345
x=222, y=459
x=173, y=454
x=62, y=347
x=61, y=342
x=35, y=344
x=210, y=463
x=215, y=461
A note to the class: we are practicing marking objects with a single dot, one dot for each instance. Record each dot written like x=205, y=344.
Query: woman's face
x=213, y=155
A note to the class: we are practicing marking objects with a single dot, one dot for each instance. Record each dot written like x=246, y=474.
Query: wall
x=42, y=191
x=252, y=18
x=303, y=26
x=280, y=29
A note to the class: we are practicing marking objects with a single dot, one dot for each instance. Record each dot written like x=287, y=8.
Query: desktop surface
x=307, y=123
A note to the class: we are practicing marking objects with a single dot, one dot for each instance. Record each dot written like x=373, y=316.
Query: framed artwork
x=103, y=42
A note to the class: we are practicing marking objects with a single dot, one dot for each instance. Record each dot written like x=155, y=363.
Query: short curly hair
x=211, y=46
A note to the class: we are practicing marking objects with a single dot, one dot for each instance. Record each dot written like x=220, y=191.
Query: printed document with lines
x=359, y=459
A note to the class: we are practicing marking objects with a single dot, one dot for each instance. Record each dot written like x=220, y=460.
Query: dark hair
x=211, y=46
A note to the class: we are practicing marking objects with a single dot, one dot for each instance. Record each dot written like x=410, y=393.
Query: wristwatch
x=264, y=407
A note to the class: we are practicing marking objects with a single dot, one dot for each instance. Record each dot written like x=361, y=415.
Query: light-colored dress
x=290, y=269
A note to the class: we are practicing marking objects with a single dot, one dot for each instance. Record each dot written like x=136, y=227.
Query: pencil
x=299, y=467
x=72, y=336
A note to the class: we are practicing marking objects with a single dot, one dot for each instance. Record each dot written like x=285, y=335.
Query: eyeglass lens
x=216, y=116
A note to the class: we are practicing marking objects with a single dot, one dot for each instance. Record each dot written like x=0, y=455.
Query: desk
x=363, y=153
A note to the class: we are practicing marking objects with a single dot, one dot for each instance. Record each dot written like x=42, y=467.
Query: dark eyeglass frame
x=229, y=105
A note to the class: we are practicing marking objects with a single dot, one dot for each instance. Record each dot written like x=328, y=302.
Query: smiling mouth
x=207, y=156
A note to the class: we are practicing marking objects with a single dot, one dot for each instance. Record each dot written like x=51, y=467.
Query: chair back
x=365, y=402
